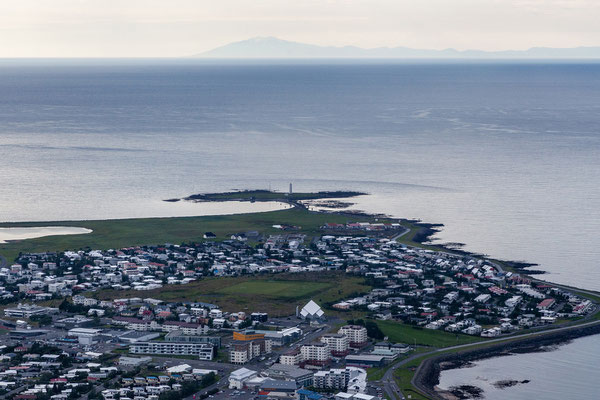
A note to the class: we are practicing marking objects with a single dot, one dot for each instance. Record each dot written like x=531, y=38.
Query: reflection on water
x=567, y=372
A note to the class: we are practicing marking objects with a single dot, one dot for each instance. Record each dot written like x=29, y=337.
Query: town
x=66, y=338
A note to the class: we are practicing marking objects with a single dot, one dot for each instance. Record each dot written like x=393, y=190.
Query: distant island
x=266, y=195
x=272, y=47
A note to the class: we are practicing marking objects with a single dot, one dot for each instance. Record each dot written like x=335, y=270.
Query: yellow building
x=247, y=335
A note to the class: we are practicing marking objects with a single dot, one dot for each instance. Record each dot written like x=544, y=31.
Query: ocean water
x=8, y=234
x=569, y=372
x=507, y=156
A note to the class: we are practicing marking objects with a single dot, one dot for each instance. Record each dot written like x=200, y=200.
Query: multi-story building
x=315, y=353
x=357, y=335
x=136, y=324
x=28, y=310
x=243, y=351
x=179, y=336
x=204, y=351
x=332, y=379
x=259, y=316
x=185, y=327
x=338, y=344
x=292, y=357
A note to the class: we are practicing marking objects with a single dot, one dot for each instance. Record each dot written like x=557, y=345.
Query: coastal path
x=393, y=391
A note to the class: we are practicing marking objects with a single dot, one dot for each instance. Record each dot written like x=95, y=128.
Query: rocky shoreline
x=427, y=376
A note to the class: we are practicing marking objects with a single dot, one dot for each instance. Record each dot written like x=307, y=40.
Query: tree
x=373, y=330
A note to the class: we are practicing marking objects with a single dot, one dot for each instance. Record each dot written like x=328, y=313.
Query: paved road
x=218, y=384
x=392, y=389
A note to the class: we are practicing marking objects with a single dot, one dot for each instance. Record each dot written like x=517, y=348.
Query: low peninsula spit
x=433, y=305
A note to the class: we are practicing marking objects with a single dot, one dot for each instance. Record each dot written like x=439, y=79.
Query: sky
x=174, y=28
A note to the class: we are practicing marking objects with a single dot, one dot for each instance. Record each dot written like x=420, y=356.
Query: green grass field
x=279, y=289
x=119, y=233
x=402, y=333
x=278, y=295
x=403, y=377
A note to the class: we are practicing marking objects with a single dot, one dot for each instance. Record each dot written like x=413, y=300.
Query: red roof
x=546, y=303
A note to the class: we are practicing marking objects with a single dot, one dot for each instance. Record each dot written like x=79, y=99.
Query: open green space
x=279, y=289
x=120, y=233
x=276, y=294
x=402, y=333
x=404, y=374
x=377, y=373
x=403, y=377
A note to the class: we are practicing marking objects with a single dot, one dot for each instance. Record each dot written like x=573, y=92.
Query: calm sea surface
x=570, y=372
x=507, y=156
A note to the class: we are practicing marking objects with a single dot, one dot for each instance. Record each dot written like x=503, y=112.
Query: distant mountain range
x=271, y=47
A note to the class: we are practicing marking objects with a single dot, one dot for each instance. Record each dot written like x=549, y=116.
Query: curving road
x=393, y=391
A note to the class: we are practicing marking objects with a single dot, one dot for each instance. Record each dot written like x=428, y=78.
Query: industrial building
x=302, y=377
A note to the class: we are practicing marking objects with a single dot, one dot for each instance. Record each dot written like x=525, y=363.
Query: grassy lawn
x=402, y=333
x=376, y=373
x=403, y=377
x=119, y=233
x=278, y=289
x=276, y=294
x=222, y=356
x=415, y=229
x=108, y=234
x=404, y=374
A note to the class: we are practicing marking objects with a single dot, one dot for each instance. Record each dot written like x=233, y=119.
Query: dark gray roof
x=272, y=384
x=288, y=370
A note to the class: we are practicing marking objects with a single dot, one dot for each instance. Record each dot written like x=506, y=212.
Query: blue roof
x=310, y=394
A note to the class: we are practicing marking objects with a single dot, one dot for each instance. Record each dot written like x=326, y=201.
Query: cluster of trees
x=42, y=319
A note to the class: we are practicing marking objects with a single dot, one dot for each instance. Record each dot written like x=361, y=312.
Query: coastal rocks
x=329, y=204
x=427, y=377
x=508, y=383
x=467, y=392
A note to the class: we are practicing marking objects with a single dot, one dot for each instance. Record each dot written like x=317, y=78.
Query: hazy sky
x=139, y=28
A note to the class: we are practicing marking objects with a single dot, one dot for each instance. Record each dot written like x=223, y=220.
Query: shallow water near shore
x=20, y=233
x=567, y=372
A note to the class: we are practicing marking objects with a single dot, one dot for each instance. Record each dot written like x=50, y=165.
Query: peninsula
x=295, y=293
